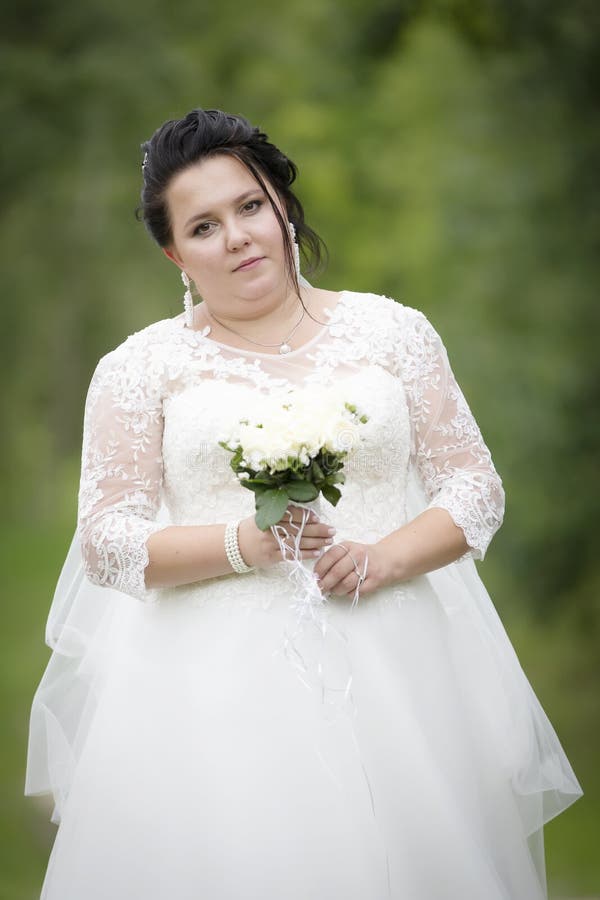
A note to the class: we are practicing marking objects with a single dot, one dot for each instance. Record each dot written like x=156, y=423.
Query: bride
x=198, y=740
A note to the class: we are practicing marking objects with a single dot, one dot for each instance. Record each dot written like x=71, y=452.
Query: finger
x=339, y=554
x=292, y=553
x=317, y=533
x=318, y=542
x=337, y=565
x=288, y=527
x=347, y=586
x=287, y=519
x=331, y=557
x=294, y=521
x=320, y=532
x=315, y=543
x=299, y=514
x=316, y=548
x=294, y=543
x=369, y=585
x=334, y=574
x=366, y=588
x=325, y=564
x=311, y=554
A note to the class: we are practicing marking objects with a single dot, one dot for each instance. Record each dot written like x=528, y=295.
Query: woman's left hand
x=337, y=574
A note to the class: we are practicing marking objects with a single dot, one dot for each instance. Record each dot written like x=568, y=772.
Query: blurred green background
x=448, y=155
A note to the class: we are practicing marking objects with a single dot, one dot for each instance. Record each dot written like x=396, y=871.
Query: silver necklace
x=284, y=347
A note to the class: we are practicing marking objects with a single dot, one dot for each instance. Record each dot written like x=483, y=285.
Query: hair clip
x=145, y=160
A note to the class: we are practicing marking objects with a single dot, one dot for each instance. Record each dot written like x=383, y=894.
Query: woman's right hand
x=261, y=550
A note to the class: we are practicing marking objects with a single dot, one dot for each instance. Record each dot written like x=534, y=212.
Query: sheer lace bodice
x=158, y=404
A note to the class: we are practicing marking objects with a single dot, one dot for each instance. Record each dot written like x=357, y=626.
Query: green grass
x=563, y=668
x=31, y=562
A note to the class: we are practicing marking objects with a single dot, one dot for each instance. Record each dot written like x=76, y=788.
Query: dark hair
x=202, y=133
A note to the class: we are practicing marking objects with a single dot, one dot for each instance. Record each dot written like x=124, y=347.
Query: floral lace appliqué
x=153, y=409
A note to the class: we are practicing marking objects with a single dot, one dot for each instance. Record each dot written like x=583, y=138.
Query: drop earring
x=188, y=300
x=296, y=250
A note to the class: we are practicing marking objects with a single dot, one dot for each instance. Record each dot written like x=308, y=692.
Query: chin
x=260, y=288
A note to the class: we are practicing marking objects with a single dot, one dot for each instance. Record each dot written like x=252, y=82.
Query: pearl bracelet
x=232, y=548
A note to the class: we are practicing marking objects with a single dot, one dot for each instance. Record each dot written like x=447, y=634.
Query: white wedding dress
x=198, y=745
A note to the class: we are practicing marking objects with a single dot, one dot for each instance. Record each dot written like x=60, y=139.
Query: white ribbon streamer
x=312, y=623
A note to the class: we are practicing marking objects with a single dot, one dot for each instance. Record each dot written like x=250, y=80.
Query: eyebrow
x=240, y=199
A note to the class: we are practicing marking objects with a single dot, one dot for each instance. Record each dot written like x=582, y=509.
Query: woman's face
x=220, y=218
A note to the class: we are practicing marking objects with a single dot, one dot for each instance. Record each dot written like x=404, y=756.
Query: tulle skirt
x=402, y=754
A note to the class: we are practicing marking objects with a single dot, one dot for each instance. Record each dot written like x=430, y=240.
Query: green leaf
x=303, y=491
x=298, y=475
x=264, y=494
x=270, y=508
x=331, y=493
x=317, y=472
x=257, y=488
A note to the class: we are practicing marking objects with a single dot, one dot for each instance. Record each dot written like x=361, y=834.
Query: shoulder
x=379, y=308
x=147, y=340
x=371, y=302
x=415, y=347
x=138, y=366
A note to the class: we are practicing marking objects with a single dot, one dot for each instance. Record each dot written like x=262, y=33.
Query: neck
x=255, y=322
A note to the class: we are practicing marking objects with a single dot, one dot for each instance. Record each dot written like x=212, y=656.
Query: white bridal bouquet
x=294, y=448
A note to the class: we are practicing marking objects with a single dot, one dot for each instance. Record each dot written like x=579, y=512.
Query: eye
x=252, y=206
x=257, y=205
x=202, y=228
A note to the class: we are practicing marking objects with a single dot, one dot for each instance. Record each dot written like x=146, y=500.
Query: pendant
x=285, y=348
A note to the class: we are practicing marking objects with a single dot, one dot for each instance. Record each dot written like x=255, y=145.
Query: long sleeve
x=121, y=470
x=453, y=462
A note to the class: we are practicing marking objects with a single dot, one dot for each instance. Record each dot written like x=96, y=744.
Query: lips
x=248, y=262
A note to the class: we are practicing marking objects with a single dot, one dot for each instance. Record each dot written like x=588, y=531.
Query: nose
x=236, y=234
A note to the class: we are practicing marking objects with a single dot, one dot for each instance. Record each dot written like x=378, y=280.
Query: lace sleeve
x=453, y=462
x=121, y=471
